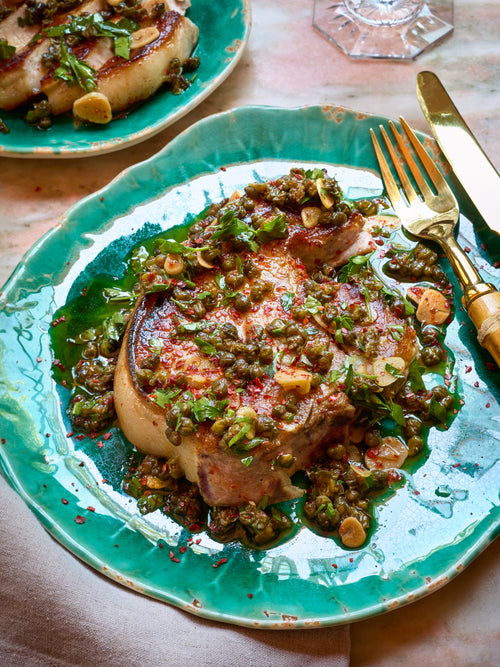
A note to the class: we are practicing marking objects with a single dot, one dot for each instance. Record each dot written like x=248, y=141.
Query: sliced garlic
x=294, y=379
x=144, y=36
x=310, y=216
x=155, y=482
x=382, y=375
x=352, y=532
x=390, y=453
x=360, y=470
x=174, y=264
x=203, y=262
x=326, y=199
x=415, y=292
x=434, y=308
x=93, y=107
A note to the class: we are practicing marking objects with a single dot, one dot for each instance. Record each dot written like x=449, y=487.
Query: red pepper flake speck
x=183, y=550
x=3, y=441
x=100, y=444
x=476, y=383
x=335, y=565
x=64, y=501
x=490, y=366
x=106, y=436
x=483, y=246
x=90, y=508
x=58, y=321
x=417, y=493
x=173, y=558
x=468, y=369
x=250, y=595
x=39, y=359
x=487, y=405
x=102, y=198
x=70, y=434
x=80, y=519
x=456, y=465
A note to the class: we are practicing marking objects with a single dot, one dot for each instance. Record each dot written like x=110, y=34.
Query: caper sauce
x=342, y=484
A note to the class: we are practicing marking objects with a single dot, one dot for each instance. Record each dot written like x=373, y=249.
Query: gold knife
x=473, y=169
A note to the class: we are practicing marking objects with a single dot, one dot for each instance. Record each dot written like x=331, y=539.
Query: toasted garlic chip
x=294, y=379
x=352, y=532
x=174, y=264
x=382, y=375
x=144, y=36
x=203, y=262
x=391, y=453
x=93, y=107
x=326, y=199
x=237, y=194
x=155, y=482
x=310, y=216
x=434, y=308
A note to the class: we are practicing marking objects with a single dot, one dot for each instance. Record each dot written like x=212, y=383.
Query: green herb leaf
x=312, y=305
x=6, y=50
x=396, y=331
x=396, y=412
x=247, y=461
x=163, y=397
x=155, y=345
x=114, y=326
x=272, y=229
x=230, y=227
x=415, y=376
x=138, y=259
x=353, y=266
x=395, y=372
x=205, y=408
x=75, y=71
x=170, y=246
x=117, y=294
x=438, y=411
x=205, y=346
x=287, y=300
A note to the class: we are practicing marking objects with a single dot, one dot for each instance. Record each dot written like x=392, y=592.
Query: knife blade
x=472, y=167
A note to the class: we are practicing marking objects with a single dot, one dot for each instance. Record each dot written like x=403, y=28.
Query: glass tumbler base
x=361, y=39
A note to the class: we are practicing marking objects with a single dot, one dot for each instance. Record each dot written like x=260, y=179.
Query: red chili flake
x=80, y=519
x=490, y=366
x=456, y=465
x=466, y=248
x=351, y=560
x=47, y=435
x=468, y=369
x=417, y=493
x=116, y=545
x=106, y=436
x=39, y=359
x=58, y=321
x=183, y=550
x=496, y=265
x=223, y=168
x=38, y=188
x=64, y=501
x=173, y=558
x=3, y=441
x=81, y=464
x=100, y=444
x=335, y=565
x=102, y=198
x=483, y=246
x=70, y=434
x=221, y=561
x=250, y=595
x=160, y=544
x=476, y=383
x=90, y=508
x=487, y=405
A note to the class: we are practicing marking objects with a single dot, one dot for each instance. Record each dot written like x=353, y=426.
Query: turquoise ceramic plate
x=445, y=512
x=224, y=30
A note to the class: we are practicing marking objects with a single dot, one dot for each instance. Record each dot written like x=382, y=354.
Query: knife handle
x=484, y=311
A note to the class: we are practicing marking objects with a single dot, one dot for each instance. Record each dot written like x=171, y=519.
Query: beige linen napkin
x=55, y=610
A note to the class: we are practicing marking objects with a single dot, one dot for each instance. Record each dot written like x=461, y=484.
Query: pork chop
x=238, y=367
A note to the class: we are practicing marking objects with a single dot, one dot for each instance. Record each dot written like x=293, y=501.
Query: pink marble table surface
x=288, y=64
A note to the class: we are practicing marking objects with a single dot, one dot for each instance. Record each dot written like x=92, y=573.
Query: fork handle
x=484, y=311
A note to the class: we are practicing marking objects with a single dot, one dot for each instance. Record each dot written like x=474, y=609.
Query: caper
x=325, y=361
x=292, y=329
x=242, y=303
x=181, y=380
x=266, y=354
x=316, y=380
x=371, y=438
x=414, y=444
x=228, y=330
x=220, y=388
x=198, y=310
x=226, y=359
x=295, y=343
x=251, y=352
x=174, y=437
x=228, y=263
x=266, y=426
x=250, y=269
x=276, y=327
x=412, y=427
x=186, y=426
x=286, y=460
x=241, y=368
x=256, y=371
x=235, y=280
x=299, y=312
x=336, y=452
x=279, y=410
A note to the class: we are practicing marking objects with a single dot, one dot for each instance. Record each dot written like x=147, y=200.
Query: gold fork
x=434, y=216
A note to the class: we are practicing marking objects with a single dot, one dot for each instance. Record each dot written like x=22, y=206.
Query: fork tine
x=409, y=191
x=390, y=184
x=417, y=174
x=432, y=170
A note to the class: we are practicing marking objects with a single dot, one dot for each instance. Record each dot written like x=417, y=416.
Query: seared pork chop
x=237, y=362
